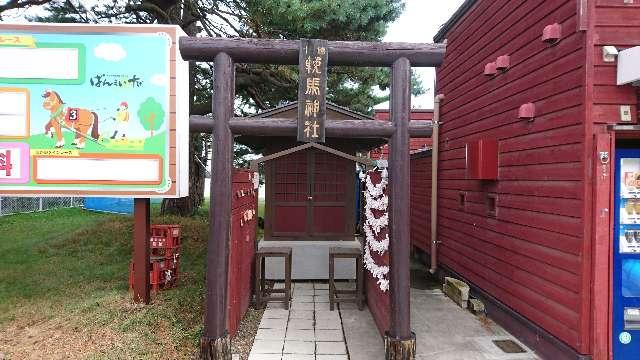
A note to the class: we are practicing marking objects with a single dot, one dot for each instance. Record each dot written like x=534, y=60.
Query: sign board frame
x=109, y=78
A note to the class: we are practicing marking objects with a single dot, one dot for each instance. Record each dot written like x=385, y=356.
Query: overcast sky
x=420, y=22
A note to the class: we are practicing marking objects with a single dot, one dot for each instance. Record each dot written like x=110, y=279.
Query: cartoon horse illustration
x=77, y=120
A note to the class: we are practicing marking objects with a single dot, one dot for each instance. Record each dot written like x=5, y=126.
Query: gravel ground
x=243, y=341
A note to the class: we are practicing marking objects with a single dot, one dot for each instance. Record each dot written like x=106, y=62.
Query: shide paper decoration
x=375, y=227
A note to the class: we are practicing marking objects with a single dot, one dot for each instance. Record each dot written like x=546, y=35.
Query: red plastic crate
x=163, y=274
x=164, y=236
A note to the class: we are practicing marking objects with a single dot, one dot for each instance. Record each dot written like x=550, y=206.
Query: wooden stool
x=346, y=253
x=264, y=295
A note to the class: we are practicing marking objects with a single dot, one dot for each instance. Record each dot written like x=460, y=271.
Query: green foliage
x=151, y=114
x=69, y=267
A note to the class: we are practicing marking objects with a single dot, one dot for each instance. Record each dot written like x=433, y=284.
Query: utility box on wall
x=482, y=159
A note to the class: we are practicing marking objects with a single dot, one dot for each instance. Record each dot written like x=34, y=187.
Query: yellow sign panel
x=54, y=152
x=17, y=40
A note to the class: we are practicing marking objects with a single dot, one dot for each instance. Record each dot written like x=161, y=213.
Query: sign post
x=312, y=90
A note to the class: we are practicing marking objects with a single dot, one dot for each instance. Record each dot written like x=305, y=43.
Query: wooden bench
x=358, y=292
x=264, y=295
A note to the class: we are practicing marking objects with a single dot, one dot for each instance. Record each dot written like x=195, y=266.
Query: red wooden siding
x=617, y=24
x=530, y=253
x=415, y=144
x=421, y=201
x=242, y=247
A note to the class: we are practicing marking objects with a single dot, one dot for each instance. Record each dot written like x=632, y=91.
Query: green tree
x=258, y=87
x=151, y=115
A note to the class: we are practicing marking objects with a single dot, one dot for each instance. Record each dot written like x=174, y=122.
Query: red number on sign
x=5, y=162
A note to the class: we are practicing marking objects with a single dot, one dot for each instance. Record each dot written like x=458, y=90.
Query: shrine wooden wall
x=421, y=200
x=378, y=301
x=533, y=253
x=415, y=144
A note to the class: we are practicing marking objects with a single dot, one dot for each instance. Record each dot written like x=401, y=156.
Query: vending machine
x=626, y=256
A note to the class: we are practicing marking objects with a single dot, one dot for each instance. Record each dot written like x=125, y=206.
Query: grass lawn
x=64, y=289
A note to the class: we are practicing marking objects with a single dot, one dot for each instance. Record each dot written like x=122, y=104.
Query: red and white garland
x=375, y=198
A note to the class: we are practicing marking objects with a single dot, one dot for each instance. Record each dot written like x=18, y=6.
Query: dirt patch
x=53, y=339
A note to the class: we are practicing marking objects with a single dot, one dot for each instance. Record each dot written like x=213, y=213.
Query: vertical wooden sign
x=312, y=90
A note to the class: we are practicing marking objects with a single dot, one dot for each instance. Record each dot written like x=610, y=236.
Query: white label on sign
x=39, y=63
x=13, y=113
x=625, y=338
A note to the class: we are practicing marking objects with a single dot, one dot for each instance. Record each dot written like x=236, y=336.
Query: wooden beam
x=141, y=230
x=285, y=52
x=288, y=127
x=399, y=210
x=214, y=341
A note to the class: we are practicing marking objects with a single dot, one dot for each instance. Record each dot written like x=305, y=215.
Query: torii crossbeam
x=400, y=341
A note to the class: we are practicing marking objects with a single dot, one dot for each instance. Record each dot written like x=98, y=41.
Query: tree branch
x=17, y=4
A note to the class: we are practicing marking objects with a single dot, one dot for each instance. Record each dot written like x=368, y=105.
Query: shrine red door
x=310, y=196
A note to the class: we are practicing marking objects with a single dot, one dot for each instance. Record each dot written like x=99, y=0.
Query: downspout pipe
x=434, y=183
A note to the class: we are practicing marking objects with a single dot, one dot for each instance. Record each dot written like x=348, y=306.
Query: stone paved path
x=307, y=331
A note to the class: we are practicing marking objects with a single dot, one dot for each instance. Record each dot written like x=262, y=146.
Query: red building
x=416, y=144
x=530, y=119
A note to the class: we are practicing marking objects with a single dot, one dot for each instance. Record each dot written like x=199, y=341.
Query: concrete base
x=310, y=260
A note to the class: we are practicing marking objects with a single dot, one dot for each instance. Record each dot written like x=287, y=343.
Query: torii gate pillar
x=400, y=342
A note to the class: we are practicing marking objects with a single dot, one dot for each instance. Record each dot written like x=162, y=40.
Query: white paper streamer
x=376, y=199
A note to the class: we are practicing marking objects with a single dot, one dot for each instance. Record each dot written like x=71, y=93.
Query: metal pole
x=215, y=342
x=400, y=342
x=434, y=183
x=141, y=225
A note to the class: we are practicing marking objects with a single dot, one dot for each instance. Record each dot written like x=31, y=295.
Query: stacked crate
x=242, y=246
x=164, y=243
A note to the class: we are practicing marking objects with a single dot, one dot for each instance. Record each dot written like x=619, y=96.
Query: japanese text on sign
x=312, y=90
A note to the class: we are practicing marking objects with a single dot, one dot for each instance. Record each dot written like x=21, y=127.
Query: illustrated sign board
x=96, y=110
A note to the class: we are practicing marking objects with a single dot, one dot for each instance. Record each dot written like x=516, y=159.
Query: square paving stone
x=304, y=292
x=328, y=315
x=321, y=299
x=328, y=324
x=302, y=299
x=302, y=306
x=331, y=348
x=323, y=306
x=301, y=314
x=298, y=357
x=300, y=335
x=273, y=324
x=299, y=347
x=321, y=286
x=275, y=305
x=303, y=324
x=275, y=314
x=256, y=356
x=332, y=357
x=270, y=334
x=267, y=346
x=329, y=335
x=303, y=285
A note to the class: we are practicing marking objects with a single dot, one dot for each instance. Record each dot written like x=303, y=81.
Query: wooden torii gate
x=399, y=341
